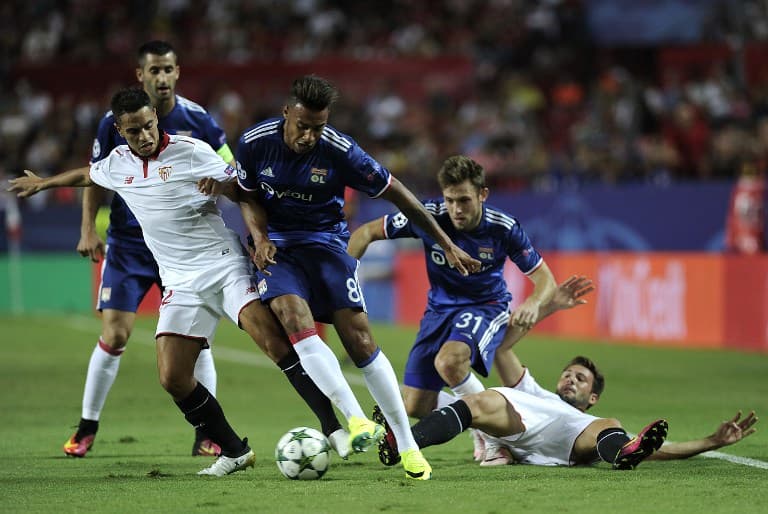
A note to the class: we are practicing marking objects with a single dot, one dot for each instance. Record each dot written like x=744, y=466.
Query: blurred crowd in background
x=549, y=104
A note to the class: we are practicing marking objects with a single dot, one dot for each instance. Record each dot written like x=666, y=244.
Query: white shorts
x=196, y=316
x=551, y=428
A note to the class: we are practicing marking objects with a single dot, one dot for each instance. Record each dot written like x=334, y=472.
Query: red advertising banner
x=697, y=300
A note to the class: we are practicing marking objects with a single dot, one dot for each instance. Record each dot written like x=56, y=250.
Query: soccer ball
x=303, y=454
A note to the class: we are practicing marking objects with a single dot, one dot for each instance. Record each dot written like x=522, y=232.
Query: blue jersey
x=188, y=119
x=303, y=194
x=498, y=236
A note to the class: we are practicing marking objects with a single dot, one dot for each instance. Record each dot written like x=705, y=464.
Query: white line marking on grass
x=147, y=338
x=744, y=461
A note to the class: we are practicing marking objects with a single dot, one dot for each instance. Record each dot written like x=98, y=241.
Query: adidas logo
x=267, y=172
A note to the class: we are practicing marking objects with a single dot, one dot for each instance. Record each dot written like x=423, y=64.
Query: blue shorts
x=126, y=277
x=481, y=327
x=325, y=276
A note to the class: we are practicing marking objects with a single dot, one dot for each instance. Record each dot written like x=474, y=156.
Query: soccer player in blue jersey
x=297, y=167
x=466, y=316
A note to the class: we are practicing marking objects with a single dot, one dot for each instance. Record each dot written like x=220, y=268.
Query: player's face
x=140, y=130
x=303, y=127
x=465, y=204
x=158, y=75
x=575, y=387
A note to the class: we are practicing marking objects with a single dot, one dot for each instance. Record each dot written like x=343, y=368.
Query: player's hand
x=210, y=186
x=25, y=186
x=262, y=254
x=570, y=293
x=461, y=260
x=526, y=314
x=735, y=429
x=91, y=245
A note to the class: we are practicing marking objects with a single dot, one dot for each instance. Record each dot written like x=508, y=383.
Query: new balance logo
x=128, y=180
x=267, y=172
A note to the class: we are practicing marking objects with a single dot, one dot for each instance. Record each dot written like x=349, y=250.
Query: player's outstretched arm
x=31, y=183
x=402, y=197
x=567, y=295
x=365, y=235
x=729, y=432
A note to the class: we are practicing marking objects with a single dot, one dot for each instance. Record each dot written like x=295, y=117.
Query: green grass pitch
x=140, y=461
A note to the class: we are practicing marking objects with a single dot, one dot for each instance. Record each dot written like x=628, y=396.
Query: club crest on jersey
x=241, y=173
x=164, y=172
x=262, y=287
x=106, y=294
x=485, y=253
x=96, y=150
x=229, y=171
x=318, y=175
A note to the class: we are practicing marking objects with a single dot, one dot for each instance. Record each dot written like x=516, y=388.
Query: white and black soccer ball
x=303, y=453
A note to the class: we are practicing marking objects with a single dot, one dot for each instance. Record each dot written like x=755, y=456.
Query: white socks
x=321, y=365
x=445, y=399
x=382, y=383
x=471, y=384
x=102, y=370
x=205, y=371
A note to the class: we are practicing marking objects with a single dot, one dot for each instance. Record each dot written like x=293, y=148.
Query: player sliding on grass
x=202, y=265
x=531, y=425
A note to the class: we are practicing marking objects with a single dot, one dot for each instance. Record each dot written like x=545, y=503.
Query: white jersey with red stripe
x=551, y=425
x=182, y=227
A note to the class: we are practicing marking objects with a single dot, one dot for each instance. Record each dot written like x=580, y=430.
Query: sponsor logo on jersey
x=164, y=172
x=106, y=294
x=271, y=192
x=318, y=175
x=267, y=172
x=262, y=287
x=128, y=180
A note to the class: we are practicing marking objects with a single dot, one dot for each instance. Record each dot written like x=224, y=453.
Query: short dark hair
x=599, y=383
x=156, y=47
x=313, y=92
x=458, y=168
x=129, y=100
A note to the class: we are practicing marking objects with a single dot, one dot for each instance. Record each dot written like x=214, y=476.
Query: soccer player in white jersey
x=297, y=167
x=203, y=266
x=465, y=319
x=128, y=270
x=535, y=426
